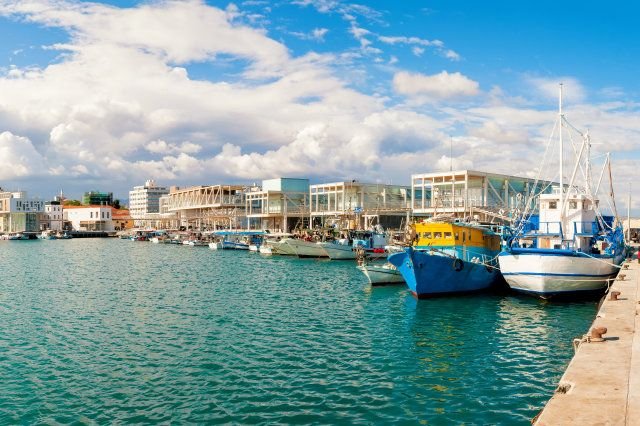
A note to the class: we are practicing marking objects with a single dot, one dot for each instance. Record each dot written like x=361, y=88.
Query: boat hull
x=381, y=274
x=549, y=275
x=307, y=248
x=345, y=252
x=282, y=248
x=232, y=245
x=429, y=274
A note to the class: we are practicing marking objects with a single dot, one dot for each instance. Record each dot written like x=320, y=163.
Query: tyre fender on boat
x=458, y=265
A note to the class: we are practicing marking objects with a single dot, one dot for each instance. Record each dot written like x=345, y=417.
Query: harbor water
x=105, y=330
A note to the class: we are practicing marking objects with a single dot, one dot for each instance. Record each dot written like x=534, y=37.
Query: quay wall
x=601, y=385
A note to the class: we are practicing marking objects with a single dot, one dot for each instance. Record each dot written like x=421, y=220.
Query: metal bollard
x=596, y=334
x=614, y=295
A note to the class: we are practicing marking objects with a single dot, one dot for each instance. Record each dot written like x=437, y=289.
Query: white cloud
x=118, y=105
x=549, y=88
x=19, y=157
x=317, y=34
x=437, y=86
x=161, y=147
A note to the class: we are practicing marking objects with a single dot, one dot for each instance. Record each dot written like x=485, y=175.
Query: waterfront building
x=207, y=207
x=144, y=204
x=121, y=219
x=472, y=194
x=97, y=198
x=278, y=205
x=359, y=205
x=18, y=213
x=89, y=218
x=53, y=216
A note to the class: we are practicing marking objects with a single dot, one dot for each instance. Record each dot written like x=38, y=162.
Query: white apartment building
x=144, y=202
x=89, y=218
x=18, y=213
x=53, y=217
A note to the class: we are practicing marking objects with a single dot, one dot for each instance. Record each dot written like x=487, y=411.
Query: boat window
x=437, y=235
x=553, y=205
x=457, y=236
x=469, y=235
x=427, y=235
x=447, y=235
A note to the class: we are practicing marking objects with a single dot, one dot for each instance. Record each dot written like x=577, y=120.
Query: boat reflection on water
x=489, y=353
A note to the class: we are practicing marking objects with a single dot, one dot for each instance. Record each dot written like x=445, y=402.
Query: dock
x=601, y=385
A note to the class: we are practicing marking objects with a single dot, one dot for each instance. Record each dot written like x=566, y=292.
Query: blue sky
x=104, y=95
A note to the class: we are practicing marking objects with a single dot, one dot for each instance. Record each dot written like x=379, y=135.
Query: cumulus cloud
x=161, y=147
x=119, y=104
x=19, y=157
x=436, y=87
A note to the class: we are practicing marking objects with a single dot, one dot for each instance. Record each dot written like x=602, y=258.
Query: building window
x=573, y=205
x=553, y=205
x=91, y=215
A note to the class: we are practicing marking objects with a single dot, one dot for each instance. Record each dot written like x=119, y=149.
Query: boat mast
x=561, y=157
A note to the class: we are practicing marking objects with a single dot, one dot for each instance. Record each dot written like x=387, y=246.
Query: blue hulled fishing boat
x=448, y=257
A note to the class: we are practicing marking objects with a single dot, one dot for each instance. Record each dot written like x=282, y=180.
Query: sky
x=105, y=95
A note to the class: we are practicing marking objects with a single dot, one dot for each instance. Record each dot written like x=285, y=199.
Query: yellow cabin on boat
x=454, y=234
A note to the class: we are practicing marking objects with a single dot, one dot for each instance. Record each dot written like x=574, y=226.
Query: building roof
x=91, y=206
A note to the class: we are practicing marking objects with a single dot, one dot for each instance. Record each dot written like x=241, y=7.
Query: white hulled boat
x=574, y=249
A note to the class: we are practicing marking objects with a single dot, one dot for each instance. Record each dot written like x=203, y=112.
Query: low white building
x=18, y=213
x=89, y=218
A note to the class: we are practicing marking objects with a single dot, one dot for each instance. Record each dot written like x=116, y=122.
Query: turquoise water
x=97, y=331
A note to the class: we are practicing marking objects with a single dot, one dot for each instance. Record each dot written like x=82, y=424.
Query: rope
x=580, y=340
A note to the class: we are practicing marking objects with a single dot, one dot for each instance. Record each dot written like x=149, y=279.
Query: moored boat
x=381, y=274
x=370, y=244
x=48, y=234
x=574, y=249
x=449, y=257
x=304, y=248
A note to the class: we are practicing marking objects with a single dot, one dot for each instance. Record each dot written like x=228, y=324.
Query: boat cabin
x=443, y=234
x=571, y=225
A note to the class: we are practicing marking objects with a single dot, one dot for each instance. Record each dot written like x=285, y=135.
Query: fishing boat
x=358, y=243
x=235, y=240
x=448, y=257
x=381, y=273
x=306, y=248
x=48, y=234
x=272, y=242
x=575, y=249
x=281, y=247
x=16, y=236
x=63, y=235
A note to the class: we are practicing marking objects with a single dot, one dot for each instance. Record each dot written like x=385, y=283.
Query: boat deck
x=602, y=382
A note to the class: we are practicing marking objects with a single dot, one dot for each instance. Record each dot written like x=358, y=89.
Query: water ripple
x=103, y=331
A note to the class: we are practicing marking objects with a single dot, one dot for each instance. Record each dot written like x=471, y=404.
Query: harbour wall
x=601, y=385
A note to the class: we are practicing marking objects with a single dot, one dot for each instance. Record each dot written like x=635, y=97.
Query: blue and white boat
x=449, y=257
x=236, y=240
x=369, y=243
x=575, y=249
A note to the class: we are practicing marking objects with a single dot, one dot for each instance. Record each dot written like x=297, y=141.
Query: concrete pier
x=601, y=385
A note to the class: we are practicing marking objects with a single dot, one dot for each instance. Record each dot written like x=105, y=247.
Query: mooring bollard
x=614, y=295
x=596, y=334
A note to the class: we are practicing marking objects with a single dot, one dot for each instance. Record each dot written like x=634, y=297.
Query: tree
x=116, y=204
x=72, y=203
